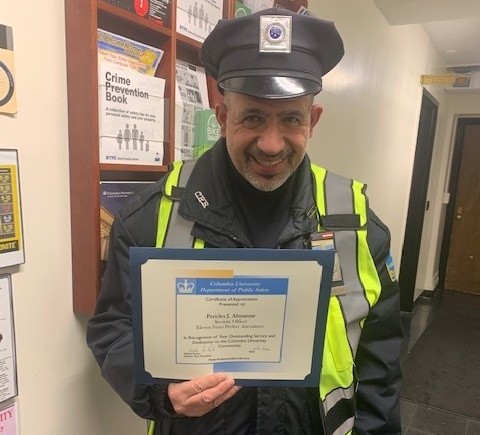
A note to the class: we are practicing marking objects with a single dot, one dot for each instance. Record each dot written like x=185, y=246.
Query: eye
x=292, y=121
x=252, y=121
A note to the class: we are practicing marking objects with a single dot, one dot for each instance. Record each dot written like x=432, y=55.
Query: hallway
x=417, y=418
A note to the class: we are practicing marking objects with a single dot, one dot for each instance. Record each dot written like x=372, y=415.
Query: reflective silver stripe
x=346, y=427
x=178, y=233
x=336, y=395
x=354, y=305
x=339, y=200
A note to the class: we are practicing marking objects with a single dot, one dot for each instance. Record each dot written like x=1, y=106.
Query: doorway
x=460, y=255
x=417, y=205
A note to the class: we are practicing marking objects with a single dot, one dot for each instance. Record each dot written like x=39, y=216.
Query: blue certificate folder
x=141, y=257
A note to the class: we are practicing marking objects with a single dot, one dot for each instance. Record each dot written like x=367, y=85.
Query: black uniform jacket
x=272, y=411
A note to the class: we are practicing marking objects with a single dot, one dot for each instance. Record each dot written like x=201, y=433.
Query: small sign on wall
x=11, y=232
x=438, y=79
x=8, y=101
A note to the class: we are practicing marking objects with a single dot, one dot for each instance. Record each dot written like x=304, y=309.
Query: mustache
x=262, y=156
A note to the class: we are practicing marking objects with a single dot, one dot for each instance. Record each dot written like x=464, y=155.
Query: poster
x=157, y=11
x=258, y=5
x=8, y=369
x=8, y=101
x=128, y=53
x=131, y=112
x=191, y=95
x=11, y=233
x=113, y=196
x=197, y=18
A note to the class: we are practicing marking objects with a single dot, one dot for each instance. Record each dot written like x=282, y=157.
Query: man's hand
x=200, y=395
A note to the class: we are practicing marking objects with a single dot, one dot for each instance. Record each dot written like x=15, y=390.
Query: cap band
x=271, y=87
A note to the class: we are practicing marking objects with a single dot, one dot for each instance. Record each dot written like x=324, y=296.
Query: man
x=258, y=188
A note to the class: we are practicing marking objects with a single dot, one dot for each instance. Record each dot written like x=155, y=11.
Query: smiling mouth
x=267, y=163
x=268, y=168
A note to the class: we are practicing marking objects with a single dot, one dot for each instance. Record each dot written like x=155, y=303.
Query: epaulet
x=177, y=178
x=337, y=222
x=139, y=200
x=339, y=201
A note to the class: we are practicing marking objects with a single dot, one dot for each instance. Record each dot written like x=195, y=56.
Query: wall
x=427, y=278
x=458, y=105
x=372, y=104
x=369, y=127
x=368, y=131
x=60, y=389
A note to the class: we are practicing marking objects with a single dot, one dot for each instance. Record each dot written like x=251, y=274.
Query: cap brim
x=271, y=87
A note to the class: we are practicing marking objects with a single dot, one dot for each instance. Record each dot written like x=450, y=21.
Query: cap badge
x=275, y=34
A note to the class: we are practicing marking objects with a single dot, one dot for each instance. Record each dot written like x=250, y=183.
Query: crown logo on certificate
x=185, y=286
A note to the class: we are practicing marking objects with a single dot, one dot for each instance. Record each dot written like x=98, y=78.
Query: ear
x=315, y=113
x=221, y=113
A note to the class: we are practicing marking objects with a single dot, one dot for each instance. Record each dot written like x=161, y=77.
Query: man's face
x=266, y=139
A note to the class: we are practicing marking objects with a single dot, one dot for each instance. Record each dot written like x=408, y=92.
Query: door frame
x=462, y=123
x=418, y=204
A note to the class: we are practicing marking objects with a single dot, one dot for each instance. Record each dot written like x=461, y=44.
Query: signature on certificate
x=260, y=348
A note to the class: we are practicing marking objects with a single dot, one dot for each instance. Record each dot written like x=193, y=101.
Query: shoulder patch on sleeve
x=390, y=267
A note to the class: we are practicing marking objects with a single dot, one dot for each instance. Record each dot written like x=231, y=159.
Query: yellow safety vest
x=342, y=208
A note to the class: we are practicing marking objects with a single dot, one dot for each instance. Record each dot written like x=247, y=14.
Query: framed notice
x=8, y=365
x=11, y=232
x=257, y=314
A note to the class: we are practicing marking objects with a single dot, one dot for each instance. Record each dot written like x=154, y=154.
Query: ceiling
x=453, y=25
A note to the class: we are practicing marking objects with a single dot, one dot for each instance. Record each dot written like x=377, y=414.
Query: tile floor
x=419, y=419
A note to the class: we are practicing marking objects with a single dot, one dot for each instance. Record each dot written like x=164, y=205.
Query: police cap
x=273, y=54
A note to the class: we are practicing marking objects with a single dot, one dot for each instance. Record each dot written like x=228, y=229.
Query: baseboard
x=432, y=285
x=435, y=279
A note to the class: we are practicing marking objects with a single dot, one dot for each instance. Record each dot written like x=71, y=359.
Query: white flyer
x=191, y=94
x=8, y=365
x=197, y=18
x=258, y=5
x=131, y=116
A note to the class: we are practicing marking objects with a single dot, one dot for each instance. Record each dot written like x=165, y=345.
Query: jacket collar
x=208, y=201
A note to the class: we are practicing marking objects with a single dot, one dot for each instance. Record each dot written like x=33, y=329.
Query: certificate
x=257, y=314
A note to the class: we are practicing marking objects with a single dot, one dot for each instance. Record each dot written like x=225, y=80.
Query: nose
x=270, y=141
